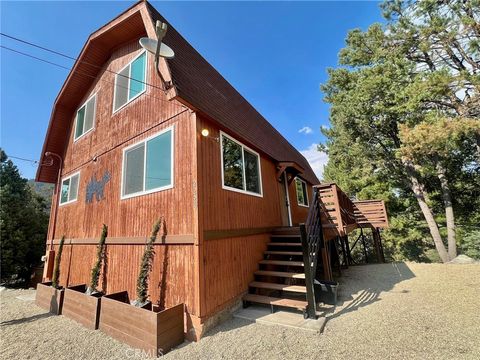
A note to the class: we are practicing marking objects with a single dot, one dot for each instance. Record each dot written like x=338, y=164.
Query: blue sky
x=274, y=53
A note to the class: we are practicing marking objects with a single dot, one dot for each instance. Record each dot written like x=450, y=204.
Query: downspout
x=57, y=187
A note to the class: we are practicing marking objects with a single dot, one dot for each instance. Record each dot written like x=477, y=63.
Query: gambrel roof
x=196, y=83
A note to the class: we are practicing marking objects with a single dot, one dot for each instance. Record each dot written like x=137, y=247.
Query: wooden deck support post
x=376, y=242
x=364, y=243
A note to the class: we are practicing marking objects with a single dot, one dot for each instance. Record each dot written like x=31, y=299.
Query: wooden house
x=125, y=148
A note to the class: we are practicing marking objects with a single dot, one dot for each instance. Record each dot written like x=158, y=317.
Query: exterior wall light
x=206, y=134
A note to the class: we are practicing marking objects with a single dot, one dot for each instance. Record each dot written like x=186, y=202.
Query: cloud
x=317, y=159
x=305, y=130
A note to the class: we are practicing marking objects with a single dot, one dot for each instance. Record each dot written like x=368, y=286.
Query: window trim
x=306, y=191
x=60, y=203
x=114, y=111
x=229, y=188
x=94, y=116
x=172, y=165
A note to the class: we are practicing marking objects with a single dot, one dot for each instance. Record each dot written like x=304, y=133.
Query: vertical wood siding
x=223, y=209
x=229, y=266
x=111, y=134
x=170, y=281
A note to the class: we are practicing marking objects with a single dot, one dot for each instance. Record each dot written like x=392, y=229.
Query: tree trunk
x=418, y=190
x=447, y=200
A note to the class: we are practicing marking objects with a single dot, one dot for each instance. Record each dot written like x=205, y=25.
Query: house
x=125, y=148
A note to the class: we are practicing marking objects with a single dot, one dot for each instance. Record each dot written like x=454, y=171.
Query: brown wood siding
x=171, y=278
x=224, y=209
x=111, y=134
x=229, y=266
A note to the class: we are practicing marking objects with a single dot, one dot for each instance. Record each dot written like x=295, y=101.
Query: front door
x=285, y=201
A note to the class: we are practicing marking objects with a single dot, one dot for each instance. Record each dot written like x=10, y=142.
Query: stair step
x=284, y=244
x=280, y=274
x=293, y=253
x=281, y=262
x=297, y=304
x=285, y=236
x=283, y=287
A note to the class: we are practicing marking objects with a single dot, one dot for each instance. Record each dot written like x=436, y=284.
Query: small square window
x=69, y=189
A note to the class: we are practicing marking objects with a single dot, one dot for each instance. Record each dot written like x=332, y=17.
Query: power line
x=75, y=59
x=84, y=74
x=23, y=159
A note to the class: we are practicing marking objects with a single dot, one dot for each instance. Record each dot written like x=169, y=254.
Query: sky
x=276, y=54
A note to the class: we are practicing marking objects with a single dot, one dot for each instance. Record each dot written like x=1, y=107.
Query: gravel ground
x=388, y=311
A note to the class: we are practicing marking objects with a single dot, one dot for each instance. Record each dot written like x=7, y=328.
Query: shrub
x=146, y=266
x=98, y=263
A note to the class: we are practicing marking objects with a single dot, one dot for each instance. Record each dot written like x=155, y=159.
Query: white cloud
x=305, y=130
x=317, y=159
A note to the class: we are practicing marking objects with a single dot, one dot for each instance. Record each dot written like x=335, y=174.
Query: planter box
x=49, y=298
x=80, y=307
x=153, y=332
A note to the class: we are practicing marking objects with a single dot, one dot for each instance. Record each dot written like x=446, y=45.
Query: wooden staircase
x=280, y=280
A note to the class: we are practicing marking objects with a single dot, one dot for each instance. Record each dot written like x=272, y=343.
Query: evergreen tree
x=405, y=113
x=23, y=224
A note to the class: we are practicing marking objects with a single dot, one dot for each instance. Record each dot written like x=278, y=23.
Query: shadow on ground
x=362, y=285
x=25, y=320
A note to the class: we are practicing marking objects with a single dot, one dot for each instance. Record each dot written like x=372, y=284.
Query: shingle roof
x=202, y=86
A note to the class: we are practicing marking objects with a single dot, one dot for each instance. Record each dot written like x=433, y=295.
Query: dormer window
x=130, y=82
x=85, y=120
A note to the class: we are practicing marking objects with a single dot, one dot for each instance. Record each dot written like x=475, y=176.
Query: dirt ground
x=387, y=311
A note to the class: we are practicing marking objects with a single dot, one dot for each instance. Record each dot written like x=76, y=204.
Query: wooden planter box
x=80, y=307
x=153, y=332
x=49, y=298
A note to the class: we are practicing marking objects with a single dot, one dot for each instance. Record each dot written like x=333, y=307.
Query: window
x=240, y=167
x=85, y=118
x=69, y=190
x=302, y=194
x=130, y=82
x=148, y=165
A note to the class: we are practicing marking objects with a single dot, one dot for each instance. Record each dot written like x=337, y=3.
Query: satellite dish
x=151, y=46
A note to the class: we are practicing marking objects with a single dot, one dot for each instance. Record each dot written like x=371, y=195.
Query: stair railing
x=312, y=240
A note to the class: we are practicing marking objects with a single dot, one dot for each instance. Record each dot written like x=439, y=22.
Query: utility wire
x=85, y=74
x=23, y=159
x=75, y=59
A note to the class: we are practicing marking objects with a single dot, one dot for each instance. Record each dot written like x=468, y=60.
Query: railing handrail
x=312, y=240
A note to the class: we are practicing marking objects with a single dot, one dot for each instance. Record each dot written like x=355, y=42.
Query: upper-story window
x=240, y=167
x=302, y=194
x=85, y=120
x=148, y=165
x=69, y=191
x=130, y=81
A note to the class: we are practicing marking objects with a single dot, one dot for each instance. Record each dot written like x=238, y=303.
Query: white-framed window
x=147, y=166
x=241, y=170
x=85, y=119
x=302, y=194
x=130, y=81
x=69, y=190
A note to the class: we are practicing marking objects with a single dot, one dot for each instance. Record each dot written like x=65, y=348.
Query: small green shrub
x=97, y=267
x=146, y=265
x=56, y=266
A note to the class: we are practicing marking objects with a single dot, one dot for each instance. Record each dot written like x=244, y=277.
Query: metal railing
x=312, y=241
